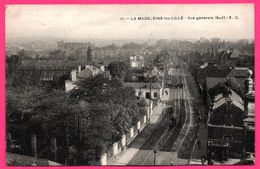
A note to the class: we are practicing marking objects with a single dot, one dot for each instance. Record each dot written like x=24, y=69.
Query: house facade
x=146, y=90
x=136, y=61
x=225, y=125
x=87, y=72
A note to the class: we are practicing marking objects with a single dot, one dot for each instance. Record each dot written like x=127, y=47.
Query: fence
x=125, y=140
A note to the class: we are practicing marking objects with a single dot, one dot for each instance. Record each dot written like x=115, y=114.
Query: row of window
x=148, y=96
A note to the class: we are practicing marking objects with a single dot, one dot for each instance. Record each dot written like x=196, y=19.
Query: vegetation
x=117, y=69
x=89, y=54
x=161, y=59
x=85, y=122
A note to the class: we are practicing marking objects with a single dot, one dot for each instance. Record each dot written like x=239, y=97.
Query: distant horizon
x=120, y=39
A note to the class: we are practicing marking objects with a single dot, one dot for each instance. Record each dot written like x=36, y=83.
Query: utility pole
x=150, y=99
x=150, y=88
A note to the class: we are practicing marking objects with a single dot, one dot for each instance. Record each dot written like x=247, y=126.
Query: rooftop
x=221, y=100
x=240, y=72
x=142, y=85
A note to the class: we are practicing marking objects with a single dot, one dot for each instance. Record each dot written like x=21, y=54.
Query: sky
x=103, y=21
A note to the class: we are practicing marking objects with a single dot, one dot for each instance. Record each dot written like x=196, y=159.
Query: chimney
x=228, y=110
x=102, y=67
x=79, y=68
x=226, y=91
x=89, y=67
x=73, y=75
x=229, y=102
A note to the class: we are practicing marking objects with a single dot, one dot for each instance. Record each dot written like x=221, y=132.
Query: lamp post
x=154, y=151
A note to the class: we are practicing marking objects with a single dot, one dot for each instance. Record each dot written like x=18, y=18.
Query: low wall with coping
x=126, y=139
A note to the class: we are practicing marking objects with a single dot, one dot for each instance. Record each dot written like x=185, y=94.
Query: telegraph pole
x=150, y=99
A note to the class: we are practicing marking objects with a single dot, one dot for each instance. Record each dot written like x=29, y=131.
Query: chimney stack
x=229, y=102
x=79, y=68
x=89, y=67
x=228, y=110
x=102, y=67
x=226, y=91
x=73, y=75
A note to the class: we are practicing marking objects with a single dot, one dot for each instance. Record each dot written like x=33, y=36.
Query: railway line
x=163, y=137
x=163, y=144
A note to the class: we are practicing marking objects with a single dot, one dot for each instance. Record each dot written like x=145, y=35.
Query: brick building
x=225, y=125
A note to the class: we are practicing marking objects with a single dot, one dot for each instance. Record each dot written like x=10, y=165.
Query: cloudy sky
x=103, y=21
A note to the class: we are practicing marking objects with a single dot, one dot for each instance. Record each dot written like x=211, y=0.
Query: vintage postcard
x=130, y=84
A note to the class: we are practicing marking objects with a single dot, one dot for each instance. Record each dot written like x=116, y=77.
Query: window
x=155, y=95
x=227, y=137
x=147, y=95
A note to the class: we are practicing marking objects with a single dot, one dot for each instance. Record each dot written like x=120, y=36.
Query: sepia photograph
x=130, y=84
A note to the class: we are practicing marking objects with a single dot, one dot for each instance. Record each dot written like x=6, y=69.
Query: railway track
x=163, y=138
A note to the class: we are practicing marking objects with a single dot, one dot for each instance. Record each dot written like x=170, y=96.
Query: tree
x=59, y=82
x=161, y=59
x=89, y=54
x=85, y=122
x=21, y=53
x=162, y=43
x=97, y=136
x=32, y=110
x=91, y=89
x=55, y=117
x=122, y=104
x=12, y=63
x=117, y=69
x=19, y=106
x=132, y=46
x=56, y=55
